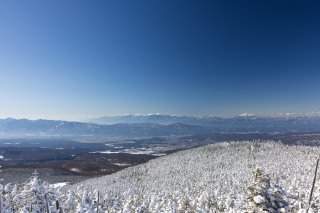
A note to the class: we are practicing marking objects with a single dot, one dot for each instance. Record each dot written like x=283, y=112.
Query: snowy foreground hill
x=225, y=177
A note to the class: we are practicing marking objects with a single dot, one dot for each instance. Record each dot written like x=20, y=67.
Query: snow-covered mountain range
x=199, y=120
x=157, y=125
x=243, y=122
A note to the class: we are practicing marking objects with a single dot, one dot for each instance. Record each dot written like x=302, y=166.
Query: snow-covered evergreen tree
x=264, y=196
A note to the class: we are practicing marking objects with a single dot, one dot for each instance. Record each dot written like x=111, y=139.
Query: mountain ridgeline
x=250, y=123
x=156, y=125
x=21, y=127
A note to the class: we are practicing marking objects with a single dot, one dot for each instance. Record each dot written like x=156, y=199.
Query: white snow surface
x=258, y=199
x=58, y=185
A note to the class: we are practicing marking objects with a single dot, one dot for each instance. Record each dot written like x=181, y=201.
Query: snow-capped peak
x=247, y=114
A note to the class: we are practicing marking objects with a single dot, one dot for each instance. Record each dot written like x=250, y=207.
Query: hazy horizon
x=244, y=114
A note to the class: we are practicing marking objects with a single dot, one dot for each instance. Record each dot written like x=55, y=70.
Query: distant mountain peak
x=247, y=114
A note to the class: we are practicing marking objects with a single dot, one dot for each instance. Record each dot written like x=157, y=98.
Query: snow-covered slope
x=234, y=177
x=223, y=171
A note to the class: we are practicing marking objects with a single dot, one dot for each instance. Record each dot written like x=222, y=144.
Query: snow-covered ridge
x=223, y=170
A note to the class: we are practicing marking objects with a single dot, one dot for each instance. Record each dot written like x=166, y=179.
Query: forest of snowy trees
x=226, y=177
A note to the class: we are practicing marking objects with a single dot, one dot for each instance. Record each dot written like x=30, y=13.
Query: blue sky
x=78, y=59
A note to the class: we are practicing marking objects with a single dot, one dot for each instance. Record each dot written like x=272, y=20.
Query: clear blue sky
x=78, y=59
